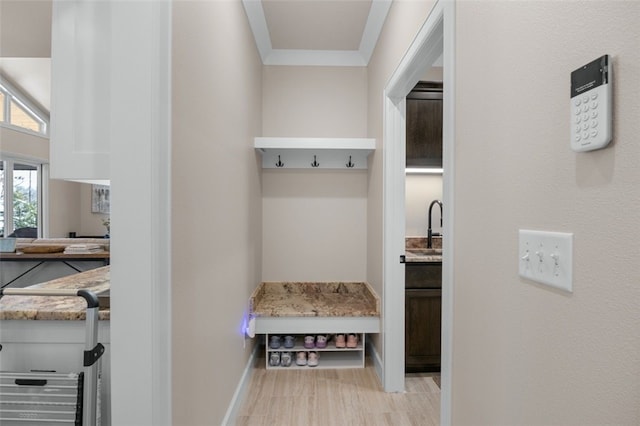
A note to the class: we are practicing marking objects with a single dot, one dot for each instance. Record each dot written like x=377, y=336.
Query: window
x=18, y=113
x=20, y=195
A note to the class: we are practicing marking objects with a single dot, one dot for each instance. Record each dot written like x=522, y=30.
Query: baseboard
x=377, y=361
x=241, y=390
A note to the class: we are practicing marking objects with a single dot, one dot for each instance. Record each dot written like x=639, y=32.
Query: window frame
x=11, y=93
x=43, y=188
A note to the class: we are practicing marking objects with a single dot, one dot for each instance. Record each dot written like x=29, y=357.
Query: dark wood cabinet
x=424, y=125
x=423, y=316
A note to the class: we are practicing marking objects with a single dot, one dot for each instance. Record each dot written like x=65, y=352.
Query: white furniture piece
x=329, y=357
x=310, y=153
x=81, y=93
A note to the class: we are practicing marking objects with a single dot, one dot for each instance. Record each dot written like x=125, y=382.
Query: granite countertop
x=58, y=308
x=314, y=299
x=416, y=250
x=423, y=256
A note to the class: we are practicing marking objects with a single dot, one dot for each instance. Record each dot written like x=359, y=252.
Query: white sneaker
x=313, y=359
x=285, y=359
x=301, y=358
x=274, y=359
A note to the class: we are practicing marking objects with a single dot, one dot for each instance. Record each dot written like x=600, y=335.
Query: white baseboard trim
x=241, y=390
x=377, y=361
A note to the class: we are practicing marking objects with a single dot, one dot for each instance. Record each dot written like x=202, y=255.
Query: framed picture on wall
x=100, y=199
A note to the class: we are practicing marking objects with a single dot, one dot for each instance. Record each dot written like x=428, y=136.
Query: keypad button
x=594, y=95
x=585, y=135
x=585, y=108
x=578, y=129
x=585, y=117
x=585, y=126
x=578, y=111
x=585, y=98
x=594, y=133
x=594, y=104
x=576, y=101
x=594, y=114
x=578, y=137
x=578, y=119
x=594, y=123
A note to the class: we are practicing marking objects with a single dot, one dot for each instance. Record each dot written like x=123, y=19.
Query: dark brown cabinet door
x=423, y=310
x=424, y=125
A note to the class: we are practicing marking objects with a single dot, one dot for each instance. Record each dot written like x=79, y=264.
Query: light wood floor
x=336, y=397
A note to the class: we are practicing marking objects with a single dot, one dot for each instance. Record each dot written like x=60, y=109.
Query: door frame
x=437, y=36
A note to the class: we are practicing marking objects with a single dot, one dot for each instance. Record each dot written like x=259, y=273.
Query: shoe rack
x=329, y=357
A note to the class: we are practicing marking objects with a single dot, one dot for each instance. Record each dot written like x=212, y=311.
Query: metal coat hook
x=279, y=163
x=315, y=162
x=350, y=164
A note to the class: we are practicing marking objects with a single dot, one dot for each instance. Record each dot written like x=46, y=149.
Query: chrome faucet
x=431, y=234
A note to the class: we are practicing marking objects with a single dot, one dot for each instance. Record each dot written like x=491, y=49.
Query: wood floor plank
x=336, y=397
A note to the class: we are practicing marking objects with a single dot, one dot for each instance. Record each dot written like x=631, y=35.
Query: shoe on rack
x=285, y=359
x=321, y=341
x=289, y=342
x=301, y=358
x=274, y=342
x=340, y=342
x=352, y=340
x=309, y=342
x=274, y=359
x=313, y=359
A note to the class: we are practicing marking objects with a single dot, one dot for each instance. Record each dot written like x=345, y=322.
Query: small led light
x=427, y=171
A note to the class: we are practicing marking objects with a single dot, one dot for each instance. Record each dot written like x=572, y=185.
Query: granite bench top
x=314, y=299
x=58, y=308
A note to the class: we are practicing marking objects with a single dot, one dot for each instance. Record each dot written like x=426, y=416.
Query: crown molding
x=346, y=58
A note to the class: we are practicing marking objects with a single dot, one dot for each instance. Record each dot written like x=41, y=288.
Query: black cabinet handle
x=30, y=382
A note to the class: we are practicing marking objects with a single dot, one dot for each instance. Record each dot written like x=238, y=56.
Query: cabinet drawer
x=423, y=275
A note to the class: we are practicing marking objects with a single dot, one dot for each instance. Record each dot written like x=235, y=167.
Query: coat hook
x=350, y=164
x=315, y=162
x=279, y=163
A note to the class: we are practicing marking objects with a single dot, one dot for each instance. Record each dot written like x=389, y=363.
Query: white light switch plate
x=547, y=258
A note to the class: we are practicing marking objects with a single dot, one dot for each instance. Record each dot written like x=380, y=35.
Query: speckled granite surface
x=421, y=242
x=313, y=299
x=416, y=250
x=57, y=308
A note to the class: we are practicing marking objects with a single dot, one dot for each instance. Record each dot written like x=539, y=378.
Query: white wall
x=217, y=205
x=314, y=225
x=314, y=222
x=64, y=208
x=314, y=101
x=524, y=354
x=420, y=191
x=90, y=223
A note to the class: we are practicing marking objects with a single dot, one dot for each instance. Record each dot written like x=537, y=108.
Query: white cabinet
x=328, y=357
x=310, y=153
x=81, y=58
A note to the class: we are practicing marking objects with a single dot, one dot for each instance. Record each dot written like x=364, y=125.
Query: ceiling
x=316, y=32
x=287, y=32
x=25, y=47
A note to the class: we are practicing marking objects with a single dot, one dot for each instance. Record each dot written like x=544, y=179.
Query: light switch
x=547, y=258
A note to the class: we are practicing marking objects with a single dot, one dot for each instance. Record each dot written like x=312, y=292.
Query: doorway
x=435, y=38
x=423, y=235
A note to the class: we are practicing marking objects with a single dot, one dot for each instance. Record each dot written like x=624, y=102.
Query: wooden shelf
x=315, y=153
